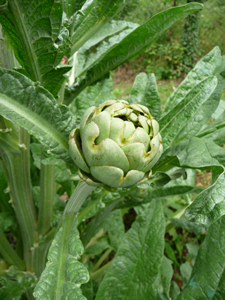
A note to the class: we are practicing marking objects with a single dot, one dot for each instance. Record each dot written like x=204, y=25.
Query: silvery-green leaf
x=33, y=38
x=90, y=18
x=135, y=43
x=207, y=280
x=197, y=228
x=185, y=270
x=138, y=259
x=193, y=251
x=32, y=107
x=209, y=205
x=15, y=283
x=97, y=47
x=175, y=120
x=63, y=274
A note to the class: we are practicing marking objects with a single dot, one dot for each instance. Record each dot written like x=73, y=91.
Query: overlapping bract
x=117, y=144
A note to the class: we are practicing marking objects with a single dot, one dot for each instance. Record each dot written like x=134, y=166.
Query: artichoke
x=117, y=144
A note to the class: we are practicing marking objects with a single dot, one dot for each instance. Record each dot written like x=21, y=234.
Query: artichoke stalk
x=117, y=144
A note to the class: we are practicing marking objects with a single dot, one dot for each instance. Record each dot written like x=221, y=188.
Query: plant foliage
x=63, y=239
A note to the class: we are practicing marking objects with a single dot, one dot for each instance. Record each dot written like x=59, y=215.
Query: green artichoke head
x=116, y=145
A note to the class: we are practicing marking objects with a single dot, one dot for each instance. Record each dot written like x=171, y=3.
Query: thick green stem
x=7, y=252
x=16, y=158
x=47, y=190
x=102, y=258
x=87, y=209
x=41, y=251
x=98, y=273
x=93, y=228
x=78, y=197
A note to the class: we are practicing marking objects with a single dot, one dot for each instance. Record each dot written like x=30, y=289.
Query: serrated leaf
x=114, y=225
x=141, y=253
x=15, y=283
x=31, y=36
x=216, y=130
x=136, y=198
x=63, y=274
x=192, y=153
x=208, y=277
x=92, y=16
x=100, y=44
x=32, y=107
x=210, y=65
x=197, y=228
x=7, y=219
x=144, y=91
x=136, y=42
x=53, y=80
x=172, y=123
x=219, y=111
x=215, y=151
x=209, y=205
x=71, y=6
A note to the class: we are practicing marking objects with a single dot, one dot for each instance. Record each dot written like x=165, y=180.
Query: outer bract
x=117, y=144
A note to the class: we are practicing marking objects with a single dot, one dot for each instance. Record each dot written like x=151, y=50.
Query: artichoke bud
x=116, y=145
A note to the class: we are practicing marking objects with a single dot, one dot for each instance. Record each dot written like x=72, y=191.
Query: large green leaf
x=208, y=277
x=209, y=206
x=92, y=16
x=32, y=107
x=136, y=198
x=216, y=151
x=192, y=226
x=205, y=111
x=210, y=64
x=162, y=283
x=192, y=153
x=100, y=44
x=71, y=6
x=216, y=130
x=134, y=43
x=172, y=123
x=137, y=262
x=63, y=274
x=15, y=283
x=114, y=225
x=144, y=91
x=32, y=28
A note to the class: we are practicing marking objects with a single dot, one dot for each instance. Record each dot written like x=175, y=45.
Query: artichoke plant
x=117, y=144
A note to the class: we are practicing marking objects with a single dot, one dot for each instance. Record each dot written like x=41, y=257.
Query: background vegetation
x=172, y=56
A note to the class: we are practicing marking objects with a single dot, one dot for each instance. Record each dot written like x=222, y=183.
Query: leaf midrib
x=24, y=36
x=188, y=103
